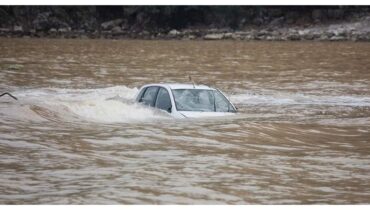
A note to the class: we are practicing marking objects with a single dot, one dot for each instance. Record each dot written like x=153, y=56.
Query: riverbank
x=251, y=23
x=349, y=31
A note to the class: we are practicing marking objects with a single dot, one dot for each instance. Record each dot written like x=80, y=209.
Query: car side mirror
x=169, y=110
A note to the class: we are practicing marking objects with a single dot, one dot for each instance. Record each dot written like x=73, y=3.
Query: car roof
x=181, y=86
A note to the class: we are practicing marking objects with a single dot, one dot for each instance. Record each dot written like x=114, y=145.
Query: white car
x=186, y=100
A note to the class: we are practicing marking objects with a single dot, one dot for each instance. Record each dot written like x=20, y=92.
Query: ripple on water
x=76, y=137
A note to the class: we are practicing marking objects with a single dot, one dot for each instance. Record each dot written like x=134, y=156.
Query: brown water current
x=75, y=136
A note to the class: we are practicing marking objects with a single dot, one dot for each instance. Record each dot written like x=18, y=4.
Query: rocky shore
x=275, y=28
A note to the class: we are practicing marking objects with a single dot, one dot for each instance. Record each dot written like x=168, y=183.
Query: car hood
x=189, y=114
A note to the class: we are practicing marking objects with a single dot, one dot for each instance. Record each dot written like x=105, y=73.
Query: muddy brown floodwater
x=75, y=136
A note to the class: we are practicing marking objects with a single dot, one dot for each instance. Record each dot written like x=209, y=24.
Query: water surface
x=75, y=136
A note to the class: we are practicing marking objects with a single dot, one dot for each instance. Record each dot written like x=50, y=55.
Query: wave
x=105, y=105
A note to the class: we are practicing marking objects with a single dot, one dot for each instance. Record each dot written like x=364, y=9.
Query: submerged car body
x=186, y=100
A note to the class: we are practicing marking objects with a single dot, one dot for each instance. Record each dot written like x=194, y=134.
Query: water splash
x=105, y=105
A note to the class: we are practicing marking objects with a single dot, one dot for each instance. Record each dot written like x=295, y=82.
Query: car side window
x=163, y=100
x=140, y=95
x=222, y=104
x=149, y=96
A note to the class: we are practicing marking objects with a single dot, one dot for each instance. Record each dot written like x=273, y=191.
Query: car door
x=149, y=96
x=163, y=100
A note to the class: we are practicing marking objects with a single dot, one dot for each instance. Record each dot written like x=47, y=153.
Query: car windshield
x=201, y=100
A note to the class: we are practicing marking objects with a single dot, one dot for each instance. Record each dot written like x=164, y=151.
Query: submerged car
x=186, y=100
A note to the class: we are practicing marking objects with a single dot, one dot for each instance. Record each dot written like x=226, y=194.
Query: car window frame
x=155, y=96
x=230, y=105
x=169, y=97
x=140, y=95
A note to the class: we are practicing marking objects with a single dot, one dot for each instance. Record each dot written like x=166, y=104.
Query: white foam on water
x=112, y=111
x=62, y=94
x=280, y=98
x=105, y=105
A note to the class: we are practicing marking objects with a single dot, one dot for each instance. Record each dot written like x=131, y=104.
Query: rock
x=191, y=37
x=159, y=35
x=4, y=30
x=53, y=30
x=235, y=36
x=81, y=31
x=174, y=32
x=228, y=35
x=329, y=34
x=354, y=36
x=337, y=38
x=106, y=32
x=145, y=33
x=316, y=34
x=249, y=37
x=275, y=33
x=213, y=36
x=303, y=32
x=308, y=36
x=64, y=30
x=116, y=30
x=53, y=33
x=262, y=33
x=18, y=29
x=360, y=37
x=40, y=34
x=124, y=27
x=187, y=32
x=339, y=32
x=111, y=24
x=293, y=37
x=323, y=37
x=242, y=33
